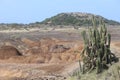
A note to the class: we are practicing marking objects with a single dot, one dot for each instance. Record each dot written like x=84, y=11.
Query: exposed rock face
x=29, y=42
x=44, y=46
x=45, y=50
x=50, y=50
x=8, y=51
x=58, y=49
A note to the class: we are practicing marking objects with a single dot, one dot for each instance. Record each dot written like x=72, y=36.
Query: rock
x=8, y=51
x=55, y=58
x=30, y=43
x=58, y=49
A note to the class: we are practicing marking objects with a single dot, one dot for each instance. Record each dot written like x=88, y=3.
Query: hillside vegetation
x=76, y=19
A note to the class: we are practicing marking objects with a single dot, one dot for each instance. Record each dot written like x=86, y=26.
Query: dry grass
x=113, y=73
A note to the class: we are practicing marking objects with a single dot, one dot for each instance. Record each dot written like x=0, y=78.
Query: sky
x=29, y=11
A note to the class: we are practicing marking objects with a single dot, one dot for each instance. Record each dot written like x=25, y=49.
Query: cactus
x=96, y=52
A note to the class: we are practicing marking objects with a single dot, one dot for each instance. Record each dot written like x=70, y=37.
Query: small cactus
x=96, y=52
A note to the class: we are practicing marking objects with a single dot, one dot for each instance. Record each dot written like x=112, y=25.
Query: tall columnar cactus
x=96, y=52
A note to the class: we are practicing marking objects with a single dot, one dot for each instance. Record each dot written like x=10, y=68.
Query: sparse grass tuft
x=113, y=73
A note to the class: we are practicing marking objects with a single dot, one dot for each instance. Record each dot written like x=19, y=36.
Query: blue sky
x=28, y=11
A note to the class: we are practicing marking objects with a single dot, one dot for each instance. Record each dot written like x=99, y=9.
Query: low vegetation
x=71, y=20
x=96, y=52
x=97, y=56
x=76, y=19
x=113, y=73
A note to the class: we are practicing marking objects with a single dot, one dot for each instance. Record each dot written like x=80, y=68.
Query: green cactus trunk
x=96, y=52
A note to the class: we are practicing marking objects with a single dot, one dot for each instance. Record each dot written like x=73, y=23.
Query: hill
x=76, y=19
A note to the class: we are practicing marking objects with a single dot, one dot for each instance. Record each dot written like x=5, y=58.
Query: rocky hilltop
x=77, y=19
x=72, y=19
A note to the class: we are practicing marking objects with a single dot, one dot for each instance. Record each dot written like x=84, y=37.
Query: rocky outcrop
x=8, y=51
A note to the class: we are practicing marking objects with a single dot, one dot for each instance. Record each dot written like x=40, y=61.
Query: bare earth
x=44, y=55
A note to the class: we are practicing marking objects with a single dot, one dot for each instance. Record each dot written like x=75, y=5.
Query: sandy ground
x=33, y=71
